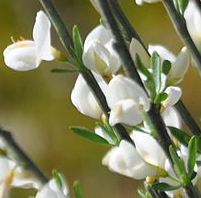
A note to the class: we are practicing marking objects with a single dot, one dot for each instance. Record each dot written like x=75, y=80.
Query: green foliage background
x=36, y=106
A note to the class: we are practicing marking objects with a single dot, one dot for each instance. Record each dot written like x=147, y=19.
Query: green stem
x=180, y=25
x=24, y=160
x=187, y=117
x=67, y=42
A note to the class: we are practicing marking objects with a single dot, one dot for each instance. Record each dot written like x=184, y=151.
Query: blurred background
x=35, y=105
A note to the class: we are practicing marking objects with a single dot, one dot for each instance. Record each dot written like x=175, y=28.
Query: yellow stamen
x=150, y=179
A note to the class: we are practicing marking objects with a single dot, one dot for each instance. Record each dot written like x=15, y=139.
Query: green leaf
x=109, y=133
x=150, y=81
x=166, y=67
x=63, y=71
x=182, y=4
x=179, y=165
x=90, y=135
x=143, y=193
x=77, y=189
x=183, y=137
x=78, y=44
x=156, y=65
x=57, y=176
x=160, y=97
x=192, y=153
x=164, y=186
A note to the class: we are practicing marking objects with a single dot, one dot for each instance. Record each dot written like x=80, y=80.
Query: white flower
x=52, y=190
x=193, y=20
x=126, y=99
x=174, y=94
x=171, y=117
x=13, y=175
x=140, y=2
x=149, y=149
x=180, y=63
x=99, y=54
x=27, y=54
x=137, y=48
x=83, y=98
x=125, y=160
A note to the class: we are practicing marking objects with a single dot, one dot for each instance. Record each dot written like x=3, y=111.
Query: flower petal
x=174, y=94
x=21, y=56
x=125, y=111
x=126, y=161
x=41, y=36
x=121, y=88
x=148, y=148
x=137, y=48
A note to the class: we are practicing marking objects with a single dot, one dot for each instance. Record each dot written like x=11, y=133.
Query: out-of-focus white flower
x=193, y=20
x=27, y=54
x=126, y=99
x=125, y=160
x=148, y=148
x=140, y=2
x=180, y=63
x=174, y=94
x=83, y=98
x=13, y=175
x=52, y=190
x=99, y=54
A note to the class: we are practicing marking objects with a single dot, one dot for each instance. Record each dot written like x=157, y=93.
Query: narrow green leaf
x=57, y=176
x=160, y=97
x=150, y=84
x=156, y=65
x=164, y=186
x=182, y=136
x=63, y=71
x=166, y=67
x=179, y=166
x=77, y=189
x=143, y=193
x=90, y=135
x=78, y=44
x=109, y=133
x=192, y=153
x=142, y=68
x=182, y=4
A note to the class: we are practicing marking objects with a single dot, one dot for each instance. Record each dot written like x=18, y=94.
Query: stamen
x=12, y=39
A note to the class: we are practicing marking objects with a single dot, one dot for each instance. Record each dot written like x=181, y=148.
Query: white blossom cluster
x=127, y=100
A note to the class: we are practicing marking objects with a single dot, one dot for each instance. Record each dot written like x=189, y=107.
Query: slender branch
x=119, y=44
x=123, y=20
x=187, y=117
x=58, y=24
x=154, y=114
x=67, y=42
x=180, y=25
x=97, y=92
x=24, y=160
x=185, y=114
